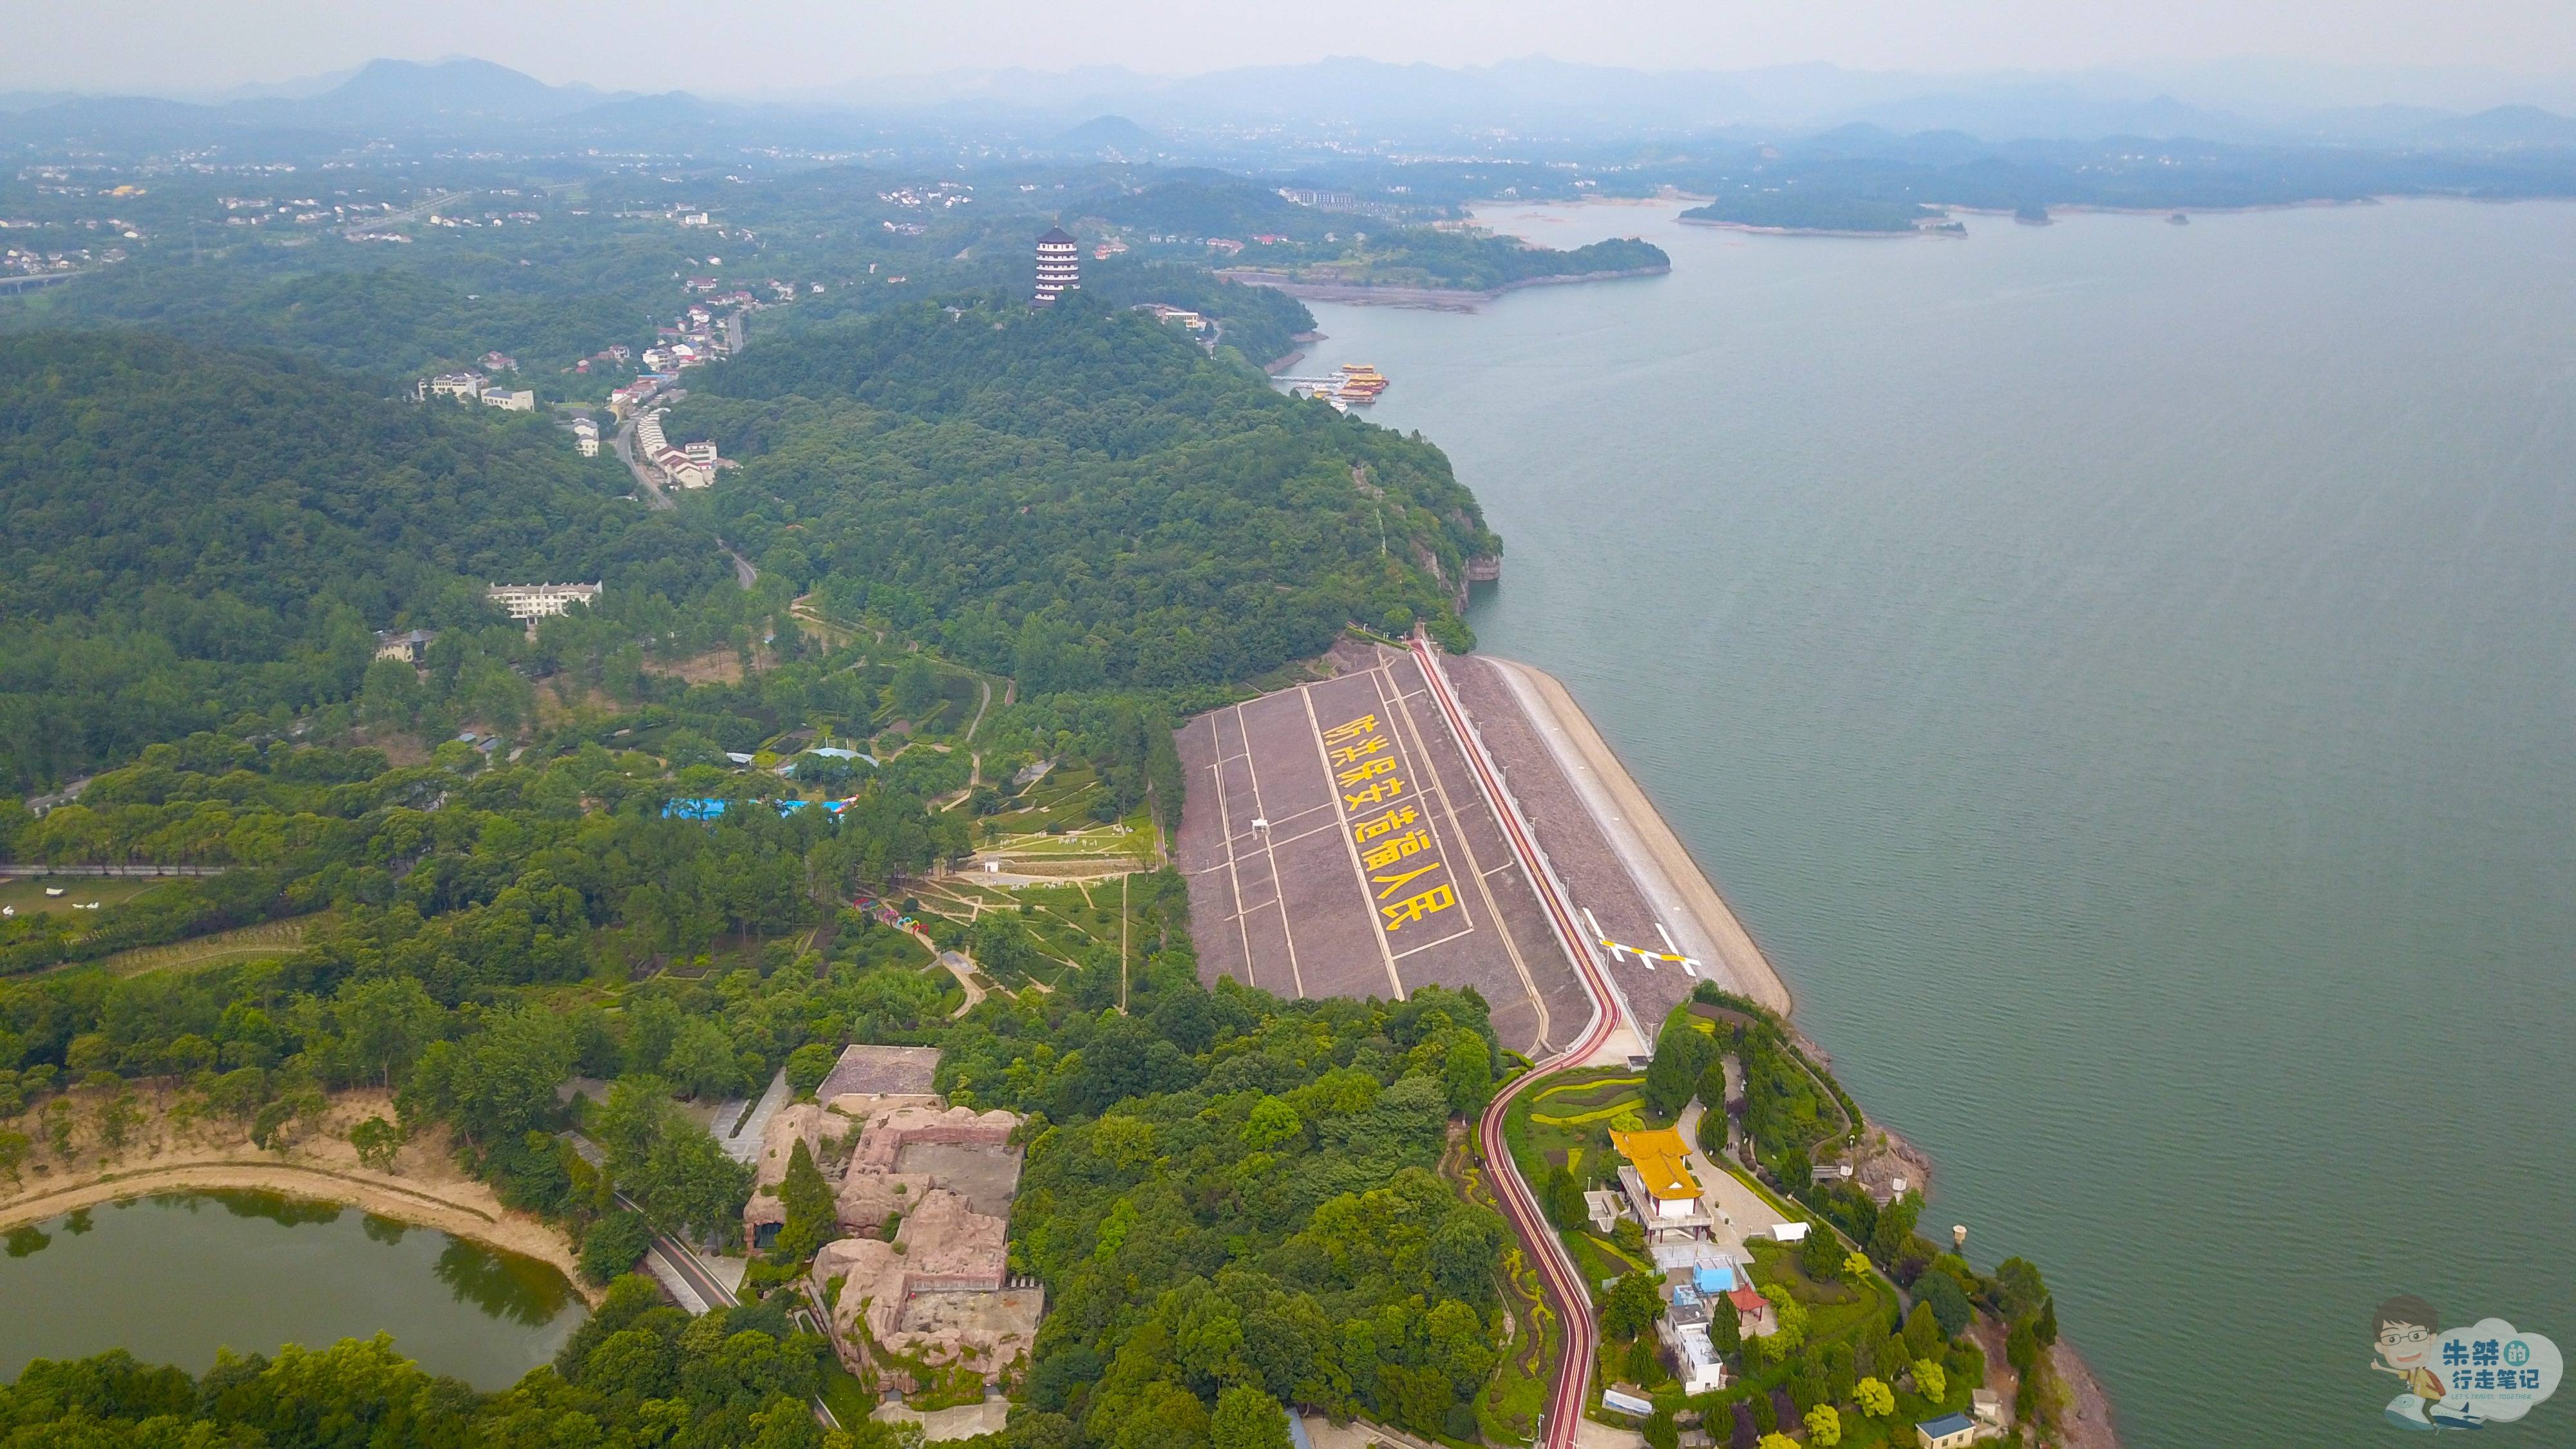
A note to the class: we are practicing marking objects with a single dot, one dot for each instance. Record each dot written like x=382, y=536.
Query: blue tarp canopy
x=707, y=809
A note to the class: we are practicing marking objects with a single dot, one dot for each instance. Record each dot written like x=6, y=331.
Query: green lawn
x=1060, y=801
x=27, y=893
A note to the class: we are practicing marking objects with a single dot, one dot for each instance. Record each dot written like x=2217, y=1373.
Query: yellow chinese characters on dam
x=1401, y=858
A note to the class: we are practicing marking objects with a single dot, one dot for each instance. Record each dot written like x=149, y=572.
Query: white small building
x=683, y=470
x=1702, y=1371
x=1620, y=1401
x=457, y=384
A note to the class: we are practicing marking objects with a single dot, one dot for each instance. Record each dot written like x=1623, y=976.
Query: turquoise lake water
x=2125, y=675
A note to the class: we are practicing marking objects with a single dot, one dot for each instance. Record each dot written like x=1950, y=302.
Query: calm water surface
x=2125, y=674
x=176, y=1277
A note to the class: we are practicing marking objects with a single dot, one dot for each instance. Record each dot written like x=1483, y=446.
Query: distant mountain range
x=449, y=96
x=2244, y=101
x=1113, y=113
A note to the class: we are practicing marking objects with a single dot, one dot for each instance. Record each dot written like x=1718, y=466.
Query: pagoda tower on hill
x=1059, y=266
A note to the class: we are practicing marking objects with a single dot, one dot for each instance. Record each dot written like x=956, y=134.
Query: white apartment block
x=531, y=602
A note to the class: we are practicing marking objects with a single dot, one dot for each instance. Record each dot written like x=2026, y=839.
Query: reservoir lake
x=2125, y=676
x=176, y=1277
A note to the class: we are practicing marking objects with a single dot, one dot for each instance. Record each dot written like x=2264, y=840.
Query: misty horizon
x=2411, y=53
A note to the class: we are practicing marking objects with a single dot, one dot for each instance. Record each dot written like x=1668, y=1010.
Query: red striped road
x=1561, y=1281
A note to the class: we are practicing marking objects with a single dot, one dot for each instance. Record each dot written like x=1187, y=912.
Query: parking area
x=1336, y=844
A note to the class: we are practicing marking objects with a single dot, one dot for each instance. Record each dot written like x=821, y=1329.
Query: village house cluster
x=33, y=262
x=922, y=1283
x=1695, y=1242
x=477, y=387
x=944, y=195
x=693, y=466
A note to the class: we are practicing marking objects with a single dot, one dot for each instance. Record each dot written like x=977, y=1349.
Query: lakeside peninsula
x=1420, y=266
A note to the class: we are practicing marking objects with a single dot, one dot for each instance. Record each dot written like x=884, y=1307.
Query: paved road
x=648, y=487
x=672, y=1253
x=112, y=870
x=1741, y=1209
x=684, y=1262
x=1563, y=1284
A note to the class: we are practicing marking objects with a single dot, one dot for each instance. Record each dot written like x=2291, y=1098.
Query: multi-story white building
x=1059, y=266
x=531, y=602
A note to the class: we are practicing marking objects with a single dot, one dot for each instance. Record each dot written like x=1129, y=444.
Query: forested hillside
x=1235, y=1200
x=1231, y=1198
x=188, y=534
x=1079, y=496
x=1261, y=323
x=385, y=321
x=1462, y=261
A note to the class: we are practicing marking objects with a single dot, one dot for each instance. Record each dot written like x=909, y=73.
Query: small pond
x=174, y=1277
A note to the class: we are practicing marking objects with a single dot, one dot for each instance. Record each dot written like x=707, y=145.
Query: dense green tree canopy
x=1251, y=1223
x=1080, y=495
x=187, y=534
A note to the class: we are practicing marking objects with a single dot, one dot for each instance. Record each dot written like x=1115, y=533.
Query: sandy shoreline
x=428, y=1192
x=1661, y=865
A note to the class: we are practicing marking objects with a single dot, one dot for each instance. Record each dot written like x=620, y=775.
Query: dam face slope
x=1336, y=844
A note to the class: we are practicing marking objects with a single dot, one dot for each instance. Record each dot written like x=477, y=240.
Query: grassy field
x=1058, y=802
x=1071, y=924
x=247, y=943
x=1565, y=1121
x=27, y=893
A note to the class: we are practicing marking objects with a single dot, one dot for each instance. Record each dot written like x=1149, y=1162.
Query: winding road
x=1562, y=1283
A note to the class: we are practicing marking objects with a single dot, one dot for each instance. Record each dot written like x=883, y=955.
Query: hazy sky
x=746, y=45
